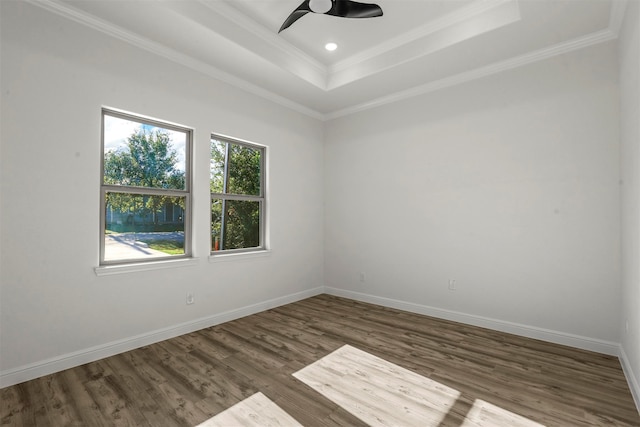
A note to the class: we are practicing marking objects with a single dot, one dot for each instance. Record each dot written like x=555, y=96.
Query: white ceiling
x=417, y=45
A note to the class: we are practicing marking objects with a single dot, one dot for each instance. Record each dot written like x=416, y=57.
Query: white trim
x=577, y=341
x=443, y=37
x=615, y=21
x=170, y=54
x=70, y=360
x=431, y=27
x=77, y=358
x=240, y=19
x=239, y=256
x=632, y=379
x=467, y=76
x=571, y=340
x=107, y=270
x=616, y=17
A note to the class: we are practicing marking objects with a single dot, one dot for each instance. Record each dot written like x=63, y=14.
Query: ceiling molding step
x=618, y=10
x=479, y=7
x=256, y=39
x=319, y=75
x=498, y=67
x=444, y=33
x=112, y=30
x=253, y=27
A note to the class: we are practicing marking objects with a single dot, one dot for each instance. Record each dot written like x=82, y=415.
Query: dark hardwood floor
x=186, y=380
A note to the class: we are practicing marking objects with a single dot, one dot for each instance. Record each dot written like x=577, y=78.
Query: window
x=237, y=196
x=145, y=192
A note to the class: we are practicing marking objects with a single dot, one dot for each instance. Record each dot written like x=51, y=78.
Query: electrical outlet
x=362, y=276
x=452, y=285
x=191, y=298
x=626, y=325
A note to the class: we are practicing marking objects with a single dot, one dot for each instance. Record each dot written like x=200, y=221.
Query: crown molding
x=258, y=30
x=618, y=10
x=270, y=46
x=287, y=56
x=616, y=17
x=498, y=67
x=476, y=8
x=113, y=30
x=441, y=34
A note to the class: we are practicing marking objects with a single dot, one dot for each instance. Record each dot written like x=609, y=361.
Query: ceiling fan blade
x=301, y=10
x=354, y=9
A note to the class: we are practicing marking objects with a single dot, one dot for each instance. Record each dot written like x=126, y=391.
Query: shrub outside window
x=145, y=190
x=237, y=195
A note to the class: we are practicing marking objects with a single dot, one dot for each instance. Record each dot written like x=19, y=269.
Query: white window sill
x=107, y=270
x=240, y=256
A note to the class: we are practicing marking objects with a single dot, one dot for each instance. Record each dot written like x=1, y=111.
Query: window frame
x=261, y=198
x=137, y=190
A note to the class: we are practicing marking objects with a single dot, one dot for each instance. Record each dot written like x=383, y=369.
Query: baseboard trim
x=577, y=341
x=70, y=360
x=632, y=379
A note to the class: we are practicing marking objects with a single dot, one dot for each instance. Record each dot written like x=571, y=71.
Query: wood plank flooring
x=187, y=380
x=255, y=411
x=378, y=392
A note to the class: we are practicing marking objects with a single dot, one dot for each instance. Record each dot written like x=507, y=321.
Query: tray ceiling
x=417, y=45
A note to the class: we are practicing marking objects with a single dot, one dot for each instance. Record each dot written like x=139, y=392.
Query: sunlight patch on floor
x=255, y=411
x=486, y=414
x=378, y=392
x=381, y=393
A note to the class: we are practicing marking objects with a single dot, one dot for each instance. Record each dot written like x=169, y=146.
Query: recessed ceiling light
x=320, y=6
x=331, y=46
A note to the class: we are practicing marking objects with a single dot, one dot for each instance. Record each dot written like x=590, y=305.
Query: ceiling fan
x=339, y=8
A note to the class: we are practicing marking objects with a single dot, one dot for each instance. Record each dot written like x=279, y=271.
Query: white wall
x=508, y=185
x=56, y=75
x=629, y=54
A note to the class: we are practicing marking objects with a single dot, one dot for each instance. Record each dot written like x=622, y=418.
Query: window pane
x=243, y=173
x=244, y=170
x=143, y=155
x=239, y=228
x=143, y=226
x=218, y=154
